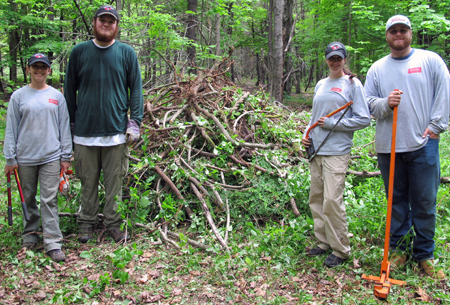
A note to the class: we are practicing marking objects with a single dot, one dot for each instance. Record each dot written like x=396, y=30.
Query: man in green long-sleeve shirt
x=102, y=83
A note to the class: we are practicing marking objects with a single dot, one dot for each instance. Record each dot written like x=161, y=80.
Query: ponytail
x=350, y=74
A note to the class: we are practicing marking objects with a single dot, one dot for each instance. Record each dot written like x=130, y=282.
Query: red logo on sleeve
x=53, y=101
x=335, y=89
x=415, y=70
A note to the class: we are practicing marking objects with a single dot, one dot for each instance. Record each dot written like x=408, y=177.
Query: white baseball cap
x=398, y=19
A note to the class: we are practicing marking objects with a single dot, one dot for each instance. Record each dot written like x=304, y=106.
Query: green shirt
x=101, y=84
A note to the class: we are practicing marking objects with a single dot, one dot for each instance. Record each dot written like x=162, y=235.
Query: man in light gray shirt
x=417, y=81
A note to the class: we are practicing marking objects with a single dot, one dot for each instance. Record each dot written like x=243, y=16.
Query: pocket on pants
x=78, y=171
x=125, y=160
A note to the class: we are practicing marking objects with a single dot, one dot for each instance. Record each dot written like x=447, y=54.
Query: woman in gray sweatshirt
x=330, y=164
x=38, y=145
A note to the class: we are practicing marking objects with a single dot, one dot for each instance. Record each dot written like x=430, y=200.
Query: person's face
x=105, y=28
x=336, y=63
x=38, y=71
x=399, y=37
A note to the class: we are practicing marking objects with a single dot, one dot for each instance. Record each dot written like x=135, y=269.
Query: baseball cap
x=39, y=57
x=335, y=48
x=398, y=19
x=107, y=10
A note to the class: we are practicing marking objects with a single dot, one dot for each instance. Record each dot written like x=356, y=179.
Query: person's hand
x=65, y=166
x=10, y=169
x=394, y=98
x=306, y=142
x=133, y=134
x=321, y=121
x=431, y=134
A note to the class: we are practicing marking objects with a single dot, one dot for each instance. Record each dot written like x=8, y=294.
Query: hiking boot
x=118, y=235
x=334, y=261
x=85, y=234
x=57, y=255
x=428, y=267
x=316, y=251
x=398, y=260
x=29, y=245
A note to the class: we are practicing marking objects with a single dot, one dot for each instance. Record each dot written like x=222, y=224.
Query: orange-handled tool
x=310, y=150
x=328, y=115
x=8, y=183
x=383, y=283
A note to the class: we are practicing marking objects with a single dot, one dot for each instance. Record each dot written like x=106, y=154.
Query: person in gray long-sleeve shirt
x=38, y=145
x=417, y=82
x=329, y=166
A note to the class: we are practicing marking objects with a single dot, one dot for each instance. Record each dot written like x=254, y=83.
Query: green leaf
x=85, y=254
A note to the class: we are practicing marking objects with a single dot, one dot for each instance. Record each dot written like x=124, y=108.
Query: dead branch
x=294, y=207
x=209, y=218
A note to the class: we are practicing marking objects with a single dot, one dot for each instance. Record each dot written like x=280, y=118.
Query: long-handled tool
x=8, y=183
x=310, y=151
x=383, y=283
x=24, y=206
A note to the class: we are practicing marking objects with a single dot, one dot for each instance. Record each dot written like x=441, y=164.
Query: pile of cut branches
x=204, y=141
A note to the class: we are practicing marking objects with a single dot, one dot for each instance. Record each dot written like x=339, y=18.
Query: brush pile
x=204, y=140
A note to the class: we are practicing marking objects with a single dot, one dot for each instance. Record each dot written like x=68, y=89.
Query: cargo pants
x=89, y=162
x=326, y=203
x=48, y=177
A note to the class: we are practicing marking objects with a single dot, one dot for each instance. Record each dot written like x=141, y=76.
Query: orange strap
x=328, y=115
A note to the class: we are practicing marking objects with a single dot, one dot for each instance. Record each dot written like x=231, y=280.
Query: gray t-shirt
x=329, y=95
x=37, y=127
x=424, y=79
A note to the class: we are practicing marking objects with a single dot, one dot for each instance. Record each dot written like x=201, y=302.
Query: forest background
x=185, y=248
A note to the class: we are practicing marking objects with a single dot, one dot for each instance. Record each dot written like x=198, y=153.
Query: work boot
x=29, y=245
x=316, y=251
x=118, y=235
x=86, y=233
x=428, y=267
x=398, y=260
x=334, y=261
x=57, y=255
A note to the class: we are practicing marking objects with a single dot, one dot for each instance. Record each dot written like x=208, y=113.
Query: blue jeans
x=416, y=183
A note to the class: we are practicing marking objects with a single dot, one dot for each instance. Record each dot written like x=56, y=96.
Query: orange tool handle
x=391, y=186
x=328, y=115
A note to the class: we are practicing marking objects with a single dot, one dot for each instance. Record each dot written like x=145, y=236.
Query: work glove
x=64, y=182
x=133, y=133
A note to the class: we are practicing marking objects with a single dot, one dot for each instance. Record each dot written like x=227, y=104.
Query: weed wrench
x=310, y=151
x=24, y=206
x=383, y=283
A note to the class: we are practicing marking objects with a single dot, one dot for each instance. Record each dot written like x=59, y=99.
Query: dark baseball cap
x=107, y=10
x=335, y=48
x=39, y=57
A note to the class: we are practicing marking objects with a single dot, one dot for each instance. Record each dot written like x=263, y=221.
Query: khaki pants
x=325, y=201
x=48, y=177
x=89, y=162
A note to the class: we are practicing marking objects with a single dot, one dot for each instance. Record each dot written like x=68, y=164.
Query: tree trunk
x=217, y=30
x=13, y=46
x=269, y=59
x=119, y=8
x=191, y=35
x=230, y=33
x=288, y=23
x=277, y=79
x=51, y=18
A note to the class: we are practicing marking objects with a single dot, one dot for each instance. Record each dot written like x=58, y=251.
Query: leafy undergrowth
x=266, y=265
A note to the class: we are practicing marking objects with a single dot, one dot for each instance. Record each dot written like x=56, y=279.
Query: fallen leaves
x=39, y=296
x=422, y=295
